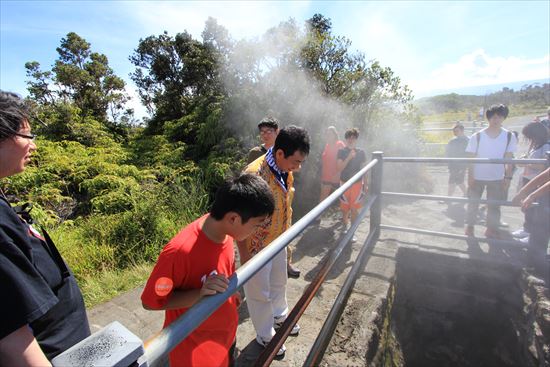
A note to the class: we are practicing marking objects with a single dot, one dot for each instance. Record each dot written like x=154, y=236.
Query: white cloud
x=479, y=68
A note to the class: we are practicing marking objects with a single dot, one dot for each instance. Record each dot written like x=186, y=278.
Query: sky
x=433, y=46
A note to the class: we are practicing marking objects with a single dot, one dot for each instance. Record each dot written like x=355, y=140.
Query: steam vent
x=419, y=300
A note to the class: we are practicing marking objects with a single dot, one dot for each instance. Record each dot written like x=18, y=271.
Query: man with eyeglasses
x=269, y=129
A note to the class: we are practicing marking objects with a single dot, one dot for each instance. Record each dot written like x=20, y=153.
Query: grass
x=110, y=283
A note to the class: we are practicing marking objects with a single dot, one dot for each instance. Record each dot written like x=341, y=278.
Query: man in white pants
x=266, y=291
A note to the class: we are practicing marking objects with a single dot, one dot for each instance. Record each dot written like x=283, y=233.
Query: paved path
x=360, y=322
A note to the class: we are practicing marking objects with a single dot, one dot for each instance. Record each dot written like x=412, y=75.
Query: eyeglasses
x=30, y=137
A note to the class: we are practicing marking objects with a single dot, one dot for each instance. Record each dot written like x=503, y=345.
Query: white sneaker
x=278, y=322
x=524, y=240
x=520, y=233
x=263, y=342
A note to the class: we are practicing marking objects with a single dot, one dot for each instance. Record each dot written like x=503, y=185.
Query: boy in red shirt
x=198, y=261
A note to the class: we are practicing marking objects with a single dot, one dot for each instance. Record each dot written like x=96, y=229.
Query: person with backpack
x=493, y=142
x=538, y=137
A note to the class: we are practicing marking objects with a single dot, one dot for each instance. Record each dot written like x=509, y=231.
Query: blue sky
x=431, y=45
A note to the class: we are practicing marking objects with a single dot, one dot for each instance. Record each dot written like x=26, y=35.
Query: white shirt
x=494, y=148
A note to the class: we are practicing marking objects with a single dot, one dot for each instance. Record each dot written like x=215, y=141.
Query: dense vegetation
x=113, y=190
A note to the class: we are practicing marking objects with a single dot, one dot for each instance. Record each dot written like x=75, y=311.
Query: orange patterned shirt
x=281, y=219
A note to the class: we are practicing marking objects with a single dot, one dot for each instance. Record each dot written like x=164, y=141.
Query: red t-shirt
x=329, y=171
x=187, y=260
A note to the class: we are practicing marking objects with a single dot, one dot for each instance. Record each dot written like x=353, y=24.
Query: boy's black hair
x=290, y=139
x=269, y=122
x=499, y=109
x=247, y=195
x=459, y=126
x=351, y=132
x=536, y=133
x=13, y=111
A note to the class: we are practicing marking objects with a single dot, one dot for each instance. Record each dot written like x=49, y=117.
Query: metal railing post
x=547, y=256
x=376, y=189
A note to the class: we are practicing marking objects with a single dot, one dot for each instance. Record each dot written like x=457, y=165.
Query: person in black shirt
x=456, y=148
x=350, y=160
x=42, y=310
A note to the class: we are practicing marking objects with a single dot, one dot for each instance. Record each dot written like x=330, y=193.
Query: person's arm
x=215, y=283
x=20, y=348
x=508, y=170
x=341, y=164
x=535, y=195
x=539, y=180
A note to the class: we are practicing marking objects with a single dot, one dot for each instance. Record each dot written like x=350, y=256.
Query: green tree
x=82, y=77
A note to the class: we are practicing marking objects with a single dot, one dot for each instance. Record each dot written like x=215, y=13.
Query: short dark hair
x=13, y=112
x=247, y=195
x=499, y=109
x=290, y=139
x=351, y=132
x=459, y=126
x=269, y=121
x=536, y=133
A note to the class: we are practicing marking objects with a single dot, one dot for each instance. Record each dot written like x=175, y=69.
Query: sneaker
x=503, y=224
x=292, y=271
x=264, y=342
x=278, y=322
x=524, y=240
x=520, y=233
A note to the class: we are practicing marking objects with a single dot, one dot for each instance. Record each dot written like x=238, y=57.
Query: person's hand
x=506, y=184
x=214, y=283
x=518, y=199
x=351, y=154
x=525, y=204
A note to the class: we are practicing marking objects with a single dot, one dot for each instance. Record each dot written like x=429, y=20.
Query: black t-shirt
x=354, y=165
x=35, y=290
x=255, y=153
x=456, y=148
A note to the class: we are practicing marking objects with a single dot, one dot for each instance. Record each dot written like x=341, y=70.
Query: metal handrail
x=168, y=338
x=328, y=262
x=464, y=160
x=447, y=198
x=452, y=235
x=322, y=341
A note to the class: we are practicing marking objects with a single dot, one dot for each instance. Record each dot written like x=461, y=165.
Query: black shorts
x=456, y=175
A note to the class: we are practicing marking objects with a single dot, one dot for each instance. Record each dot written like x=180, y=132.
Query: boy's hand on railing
x=518, y=198
x=215, y=283
x=527, y=202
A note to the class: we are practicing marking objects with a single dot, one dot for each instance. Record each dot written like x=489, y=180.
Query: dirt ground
x=361, y=321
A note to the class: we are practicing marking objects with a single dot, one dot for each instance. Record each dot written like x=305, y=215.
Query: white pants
x=266, y=295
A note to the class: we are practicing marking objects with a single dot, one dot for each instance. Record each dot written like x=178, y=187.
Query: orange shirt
x=281, y=220
x=329, y=172
x=186, y=259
